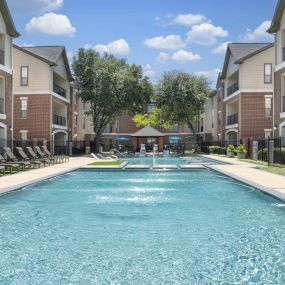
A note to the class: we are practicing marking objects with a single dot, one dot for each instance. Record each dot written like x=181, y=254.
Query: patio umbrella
x=122, y=139
x=175, y=139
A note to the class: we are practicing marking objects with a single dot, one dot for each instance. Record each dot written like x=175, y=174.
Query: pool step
x=192, y=166
x=165, y=166
x=137, y=166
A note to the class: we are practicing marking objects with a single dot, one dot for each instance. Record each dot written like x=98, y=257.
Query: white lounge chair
x=99, y=156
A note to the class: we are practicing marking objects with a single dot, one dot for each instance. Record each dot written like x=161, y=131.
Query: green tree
x=181, y=97
x=111, y=86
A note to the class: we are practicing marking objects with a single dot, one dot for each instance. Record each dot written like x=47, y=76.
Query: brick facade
x=39, y=117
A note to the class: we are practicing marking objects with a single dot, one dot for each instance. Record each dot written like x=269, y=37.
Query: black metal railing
x=232, y=89
x=232, y=119
x=59, y=120
x=2, y=106
x=2, y=57
x=59, y=90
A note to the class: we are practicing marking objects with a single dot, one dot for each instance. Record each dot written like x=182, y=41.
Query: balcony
x=232, y=89
x=59, y=120
x=2, y=106
x=283, y=54
x=59, y=90
x=232, y=119
x=2, y=57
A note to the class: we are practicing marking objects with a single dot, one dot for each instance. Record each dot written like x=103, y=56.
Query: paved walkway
x=249, y=173
x=22, y=179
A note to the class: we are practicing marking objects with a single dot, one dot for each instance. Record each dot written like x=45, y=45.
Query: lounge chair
x=13, y=158
x=34, y=162
x=34, y=156
x=99, y=156
x=43, y=156
x=60, y=157
x=9, y=165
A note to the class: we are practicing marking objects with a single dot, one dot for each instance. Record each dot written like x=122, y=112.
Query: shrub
x=241, y=149
x=230, y=148
x=214, y=149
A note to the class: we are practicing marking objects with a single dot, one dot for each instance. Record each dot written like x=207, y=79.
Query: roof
x=243, y=51
x=148, y=132
x=275, y=24
x=50, y=55
x=11, y=29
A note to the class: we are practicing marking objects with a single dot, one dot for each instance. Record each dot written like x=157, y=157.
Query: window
x=24, y=135
x=84, y=122
x=24, y=75
x=268, y=106
x=268, y=73
x=2, y=96
x=75, y=119
x=24, y=108
x=175, y=128
x=219, y=118
x=150, y=107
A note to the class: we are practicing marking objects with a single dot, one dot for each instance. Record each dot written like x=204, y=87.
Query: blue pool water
x=129, y=227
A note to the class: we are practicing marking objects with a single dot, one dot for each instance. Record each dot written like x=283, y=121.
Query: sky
x=160, y=35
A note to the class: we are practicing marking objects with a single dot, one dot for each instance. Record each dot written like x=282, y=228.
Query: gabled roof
x=275, y=24
x=243, y=51
x=148, y=132
x=11, y=29
x=50, y=55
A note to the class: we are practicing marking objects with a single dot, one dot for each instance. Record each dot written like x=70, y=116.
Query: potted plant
x=241, y=151
x=230, y=151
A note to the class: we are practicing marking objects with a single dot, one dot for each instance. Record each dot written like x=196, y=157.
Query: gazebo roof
x=148, y=132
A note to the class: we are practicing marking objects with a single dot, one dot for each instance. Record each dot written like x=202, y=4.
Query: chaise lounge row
x=31, y=158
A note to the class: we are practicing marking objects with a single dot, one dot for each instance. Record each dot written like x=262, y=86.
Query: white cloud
x=184, y=56
x=163, y=57
x=172, y=42
x=118, y=47
x=27, y=45
x=221, y=49
x=149, y=72
x=206, y=34
x=189, y=19
x=51, y=24
x=258, y=34
x=211, y=75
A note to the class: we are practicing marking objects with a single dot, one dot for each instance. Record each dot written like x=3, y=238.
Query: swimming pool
x=141, y=227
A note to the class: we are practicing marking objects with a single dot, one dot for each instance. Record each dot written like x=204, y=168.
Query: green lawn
x=107, y=163
x=264, y=166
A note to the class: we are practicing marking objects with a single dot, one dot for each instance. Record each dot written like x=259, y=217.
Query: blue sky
x=161, y=35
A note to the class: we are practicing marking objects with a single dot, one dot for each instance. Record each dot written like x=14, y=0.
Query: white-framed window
x=268, y=73
x=24, y=75
x=24, y=108
x=2, y=95
x=75, y=119
x=24, y=135
x=268, y=106
x=219, y=118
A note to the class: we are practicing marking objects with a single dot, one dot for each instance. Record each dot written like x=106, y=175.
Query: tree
x=181, y=97
x=110, y=86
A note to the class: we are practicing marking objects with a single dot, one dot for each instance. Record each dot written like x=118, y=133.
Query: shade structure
x=175, y=139
x=122, y=139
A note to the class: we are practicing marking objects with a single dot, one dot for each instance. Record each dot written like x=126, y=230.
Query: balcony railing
x=59, y=90
x=283, y=54
x=2, y=106
x=59, y=120
x=232, y=89
x=283, y=104
x=232, y=119
x=2, y=57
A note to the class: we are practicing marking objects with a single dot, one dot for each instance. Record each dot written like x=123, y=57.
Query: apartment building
x=278, y=29
x=245, y=92
x=7, y=33
x=43, y=95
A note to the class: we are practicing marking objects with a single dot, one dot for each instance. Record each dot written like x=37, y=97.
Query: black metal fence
x=271, y=150
x=217, y=147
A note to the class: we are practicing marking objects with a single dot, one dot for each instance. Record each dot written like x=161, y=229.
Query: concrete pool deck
x=16, y=181
x=248, y=173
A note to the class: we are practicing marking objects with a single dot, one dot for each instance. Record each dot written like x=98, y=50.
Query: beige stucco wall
x=252, y=70
x=39, y=72
x=8, y=43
